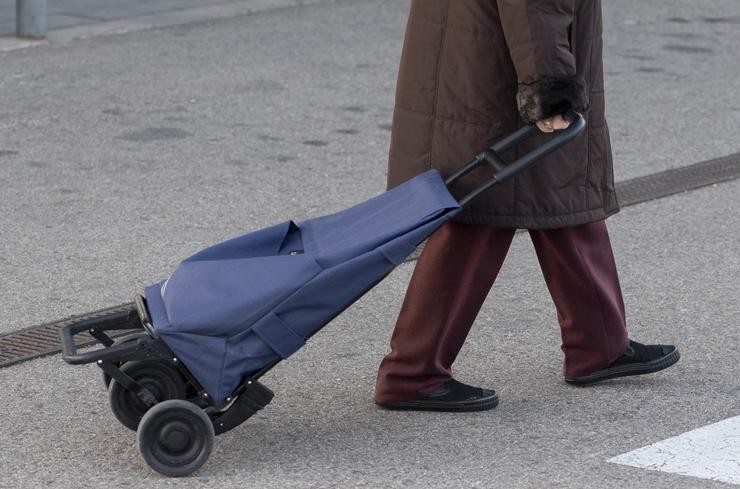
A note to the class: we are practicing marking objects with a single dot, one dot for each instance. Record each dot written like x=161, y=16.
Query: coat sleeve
x=537, y=35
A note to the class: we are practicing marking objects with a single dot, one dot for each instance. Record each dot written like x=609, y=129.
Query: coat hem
x=535, y=222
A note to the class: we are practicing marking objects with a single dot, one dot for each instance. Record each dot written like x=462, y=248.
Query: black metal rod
x=113, y=353
x=497, y=148
x=528, y=159
x=536, y=154
x=472, y=165
x=514, y=138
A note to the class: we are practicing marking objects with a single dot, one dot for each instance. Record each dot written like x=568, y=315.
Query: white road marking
x=711, y=452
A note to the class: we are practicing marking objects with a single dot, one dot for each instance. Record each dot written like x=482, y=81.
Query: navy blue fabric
x=278, y=335
x=231, y=309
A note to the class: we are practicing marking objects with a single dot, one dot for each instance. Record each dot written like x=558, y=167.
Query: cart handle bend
x=491, y=156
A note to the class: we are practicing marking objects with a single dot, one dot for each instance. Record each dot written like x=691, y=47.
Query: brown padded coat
x=474, y=70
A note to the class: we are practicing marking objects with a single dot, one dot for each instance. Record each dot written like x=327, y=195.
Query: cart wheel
x=162, y=380
x=175, y=438
x=118, y=341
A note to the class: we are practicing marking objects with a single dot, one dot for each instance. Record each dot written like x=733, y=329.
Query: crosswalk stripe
x=711, y=452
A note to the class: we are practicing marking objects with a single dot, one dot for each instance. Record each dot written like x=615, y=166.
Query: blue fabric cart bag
x=233, y=308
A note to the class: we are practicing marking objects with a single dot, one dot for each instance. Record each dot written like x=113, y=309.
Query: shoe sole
x=441, y=406
x=628, y=370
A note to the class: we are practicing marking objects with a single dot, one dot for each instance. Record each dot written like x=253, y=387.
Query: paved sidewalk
x=71, y=13
x=71, y=20
x=123, y=154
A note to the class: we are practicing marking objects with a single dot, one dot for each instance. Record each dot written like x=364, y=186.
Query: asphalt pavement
x=85, y=12
x=122, y=154
x=81, y=16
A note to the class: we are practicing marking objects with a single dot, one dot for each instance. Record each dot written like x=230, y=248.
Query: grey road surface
x=127, y=153
x=68, y=13
x=679, y=272
x=121, y=155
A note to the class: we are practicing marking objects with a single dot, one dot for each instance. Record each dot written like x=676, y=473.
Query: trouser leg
x=451, y=280
x=581, y=275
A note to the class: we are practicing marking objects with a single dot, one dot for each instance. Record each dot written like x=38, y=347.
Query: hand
x=553, y=123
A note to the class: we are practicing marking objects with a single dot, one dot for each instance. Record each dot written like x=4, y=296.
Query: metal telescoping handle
x=491, y=156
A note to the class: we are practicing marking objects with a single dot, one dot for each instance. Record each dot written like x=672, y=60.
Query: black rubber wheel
x=118, y=341
x=175, y=438
x=162, y=380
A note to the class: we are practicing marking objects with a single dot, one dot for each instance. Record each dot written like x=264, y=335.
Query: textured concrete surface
x=670, y=68
x=84, y=12
x=130, y=152
x=679, y=265
x=120, y=155
x=64, y=14
x=147, y=16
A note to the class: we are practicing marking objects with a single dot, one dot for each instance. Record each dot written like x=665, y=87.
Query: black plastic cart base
x=141, y=372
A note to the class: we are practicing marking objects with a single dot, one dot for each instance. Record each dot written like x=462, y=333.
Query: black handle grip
x=504, y=171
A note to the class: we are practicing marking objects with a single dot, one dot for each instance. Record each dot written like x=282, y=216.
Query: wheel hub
x=176, y=437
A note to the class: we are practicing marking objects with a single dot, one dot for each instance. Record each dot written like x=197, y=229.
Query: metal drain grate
x=41, y=340
x=37, y=341
x=669, y=182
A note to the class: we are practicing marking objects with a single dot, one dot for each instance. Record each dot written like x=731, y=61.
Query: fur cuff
x=552, y=95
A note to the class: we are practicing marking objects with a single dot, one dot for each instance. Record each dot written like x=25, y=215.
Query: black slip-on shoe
x=452, y=396
x=639, y=359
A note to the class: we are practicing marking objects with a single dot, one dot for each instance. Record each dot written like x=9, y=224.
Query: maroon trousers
x=452, y=278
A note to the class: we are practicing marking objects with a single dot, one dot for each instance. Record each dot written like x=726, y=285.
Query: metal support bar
x=144, y=394
x=30, y=18
x=472, y=165
x=497, y=149
x=101, y=336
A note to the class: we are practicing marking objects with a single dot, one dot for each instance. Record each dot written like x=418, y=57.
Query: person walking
x=472, y=71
